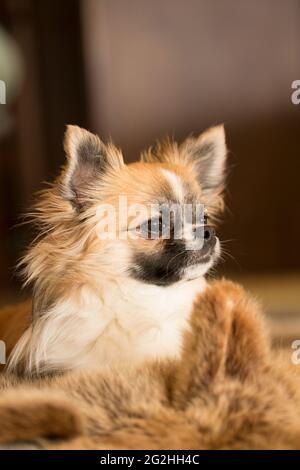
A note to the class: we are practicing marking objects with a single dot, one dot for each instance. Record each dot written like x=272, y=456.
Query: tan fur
x=183, y=159
x=229, y=390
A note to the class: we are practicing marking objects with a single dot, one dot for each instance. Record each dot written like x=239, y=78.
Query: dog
x=124, y=299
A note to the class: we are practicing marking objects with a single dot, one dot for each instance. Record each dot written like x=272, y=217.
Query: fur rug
x=229, y=390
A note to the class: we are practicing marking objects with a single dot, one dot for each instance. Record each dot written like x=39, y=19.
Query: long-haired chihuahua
x=112, y=285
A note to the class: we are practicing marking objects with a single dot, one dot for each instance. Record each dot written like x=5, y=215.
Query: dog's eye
x=153, y=228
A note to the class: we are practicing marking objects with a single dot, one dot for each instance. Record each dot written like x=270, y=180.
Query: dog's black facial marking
x=162, y=268
x=167, y=265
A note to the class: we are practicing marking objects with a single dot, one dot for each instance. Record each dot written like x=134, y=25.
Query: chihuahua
x=122, y=296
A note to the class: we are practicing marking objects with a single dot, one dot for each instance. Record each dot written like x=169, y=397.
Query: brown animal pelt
x=228, y=391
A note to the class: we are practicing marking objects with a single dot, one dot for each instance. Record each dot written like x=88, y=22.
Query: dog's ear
x=88, y=159
x=208, y=155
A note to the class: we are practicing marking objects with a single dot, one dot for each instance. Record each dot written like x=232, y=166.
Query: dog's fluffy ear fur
x=87, y=160
x=208, y=153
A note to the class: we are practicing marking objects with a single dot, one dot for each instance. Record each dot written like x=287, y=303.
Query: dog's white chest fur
x=144, y=321
x=121, y=323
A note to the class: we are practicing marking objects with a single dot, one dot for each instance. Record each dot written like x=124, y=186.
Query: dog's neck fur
x=118, y=321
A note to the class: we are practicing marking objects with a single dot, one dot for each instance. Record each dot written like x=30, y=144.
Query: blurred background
x=137, y=70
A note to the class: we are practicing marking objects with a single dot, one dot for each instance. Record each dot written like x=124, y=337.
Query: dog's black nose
x=209, y=234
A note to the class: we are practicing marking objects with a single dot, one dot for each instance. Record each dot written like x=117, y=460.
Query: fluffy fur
x=228, y=390
x=116, y=301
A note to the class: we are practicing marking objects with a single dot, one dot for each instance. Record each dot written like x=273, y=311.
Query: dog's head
x=136, y=207
x=104, y=218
